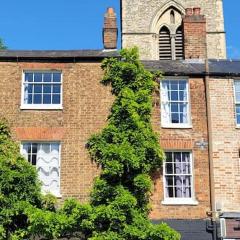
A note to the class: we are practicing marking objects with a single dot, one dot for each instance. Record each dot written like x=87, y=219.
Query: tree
x=2, y=45
x=128, y=152
x=18, y=187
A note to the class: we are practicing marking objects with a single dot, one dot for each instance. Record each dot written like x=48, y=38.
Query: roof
x=55, y=55
x=191, y=67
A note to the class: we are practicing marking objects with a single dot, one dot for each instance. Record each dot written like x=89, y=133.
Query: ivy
x=128, y=152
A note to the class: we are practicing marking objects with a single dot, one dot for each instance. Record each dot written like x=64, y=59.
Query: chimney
x=110, y=31
x=195, y=36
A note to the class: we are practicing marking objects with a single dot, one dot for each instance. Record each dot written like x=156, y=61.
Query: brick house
x=54, y=102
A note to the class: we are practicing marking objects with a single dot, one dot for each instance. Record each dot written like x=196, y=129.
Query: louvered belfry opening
x=165, y=52
x=179, y=44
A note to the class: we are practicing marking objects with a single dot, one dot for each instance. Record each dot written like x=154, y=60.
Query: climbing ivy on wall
x=128, y=152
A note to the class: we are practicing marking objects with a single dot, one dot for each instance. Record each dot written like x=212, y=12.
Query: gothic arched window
x=165, y=52
x=171, y=35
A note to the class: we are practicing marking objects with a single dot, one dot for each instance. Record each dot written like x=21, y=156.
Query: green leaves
x=127, y=151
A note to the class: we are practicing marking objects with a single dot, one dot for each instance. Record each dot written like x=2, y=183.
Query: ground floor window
x=178, y=176
x=46, y=158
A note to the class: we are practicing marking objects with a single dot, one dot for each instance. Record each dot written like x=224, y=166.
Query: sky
x=77, y=24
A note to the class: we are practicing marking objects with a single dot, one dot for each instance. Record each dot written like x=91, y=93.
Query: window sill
x=41, y=107
x=180, y=201
x=177, y=126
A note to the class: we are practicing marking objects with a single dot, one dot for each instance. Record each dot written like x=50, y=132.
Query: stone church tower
x=157, y=28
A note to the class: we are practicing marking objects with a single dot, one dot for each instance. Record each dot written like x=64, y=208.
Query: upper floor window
x=46, y=158
x=42, y=90
x=175, y=103
x=178, y=178
x=237, y=100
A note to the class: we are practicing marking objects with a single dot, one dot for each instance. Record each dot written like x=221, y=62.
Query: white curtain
x=48, y=167
x=165, y=109
x=178, y=177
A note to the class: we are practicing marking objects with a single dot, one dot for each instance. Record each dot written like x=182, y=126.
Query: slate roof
x=191, y=67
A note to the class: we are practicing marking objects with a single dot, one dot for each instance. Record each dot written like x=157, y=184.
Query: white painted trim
x=180, y=201
x=24, y=106
x=59, y=195
x=235, y=102
x=177, y=125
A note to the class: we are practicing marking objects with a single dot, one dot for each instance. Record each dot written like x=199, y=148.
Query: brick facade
x=86, y=105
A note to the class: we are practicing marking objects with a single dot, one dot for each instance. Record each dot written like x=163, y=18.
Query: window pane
x=174, y=96
x=238, y=109
x=56, y=99
x=37, y=99
x=169, y=168
x=238, y=118
x=38, y=88
x=182, y=85
x=47, y=99
x=47, y=77
x=34, y=148
x=237, y=86
x=28, y=77
x=168, y=156
x=30, y=88
x=169, y=181
x=175, y=118
x=46, y=88
x=56, y=89
x=56, y=77
x=174, y=107
x=37, y=77
x=34, y=159
x=46, y=147
x=29, y=98
x=174, y=85
x=170, y=192
x=237, y=96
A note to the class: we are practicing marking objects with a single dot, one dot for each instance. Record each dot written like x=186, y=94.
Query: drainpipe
x=210, y=151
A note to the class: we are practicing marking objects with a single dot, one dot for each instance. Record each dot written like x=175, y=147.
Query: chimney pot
x=197, y=11
x=189, y=11
x=110, y=12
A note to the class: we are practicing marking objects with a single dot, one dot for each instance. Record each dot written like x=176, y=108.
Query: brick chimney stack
x=195, y=36
x=110, y=30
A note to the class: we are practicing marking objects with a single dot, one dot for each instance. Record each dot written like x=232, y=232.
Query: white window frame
x=179, y=201
x=41, y=106
x=177, y=125
x=60, y=151
x=235, y=101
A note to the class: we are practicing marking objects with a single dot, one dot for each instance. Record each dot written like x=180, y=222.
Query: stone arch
x=156, y=22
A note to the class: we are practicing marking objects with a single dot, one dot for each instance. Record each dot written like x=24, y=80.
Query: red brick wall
x=86, y=105
x=195, y=42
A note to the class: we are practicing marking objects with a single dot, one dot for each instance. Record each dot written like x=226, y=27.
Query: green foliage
x=128, y=152
x=18, y=186
x=2, y=45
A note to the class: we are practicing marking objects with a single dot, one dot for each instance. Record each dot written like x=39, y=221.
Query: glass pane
x=46, y=88
x=168, y=156
x=47, y=98
x=174, y=96
x=175, y=118
x=237, y=96
x=47, y=77
x=56, y=99
x=34, y=159
x=177, y=168
x=38, y=88
x=30, y=88
x=174, y=107
x=182, y=85
x=169, y=181
x=170, y=192
x=178, y=191
x=56, y=88
x=46, y=147
x=237, y=86
x=182, y=96
x=34, y=148
x=238, y=118
x=169, y=168
x=55, y=146
x=185, y=157
x=187, y=192
x=28, y=77
x=29, y=98
x=238, y=109
x=27, y=147
x=186, y=168
x=38, y=77
x=174, y=85
x=57, y=77
x=37, y=99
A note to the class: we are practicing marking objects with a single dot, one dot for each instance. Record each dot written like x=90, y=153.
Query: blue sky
x=77, y=24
